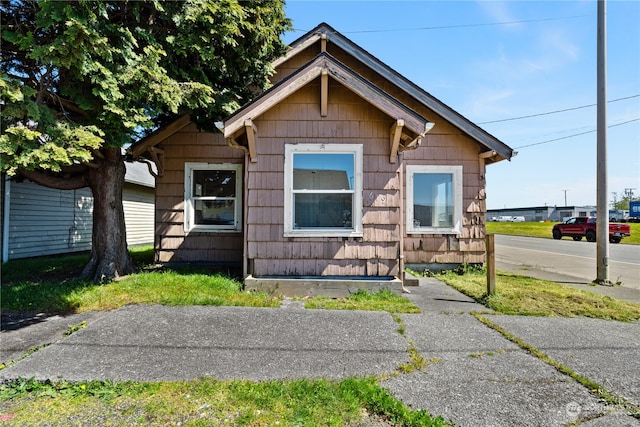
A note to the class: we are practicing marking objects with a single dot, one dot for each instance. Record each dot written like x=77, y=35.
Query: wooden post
x=491, y=264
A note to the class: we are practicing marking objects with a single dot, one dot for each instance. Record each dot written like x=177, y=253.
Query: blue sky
x=493, y=60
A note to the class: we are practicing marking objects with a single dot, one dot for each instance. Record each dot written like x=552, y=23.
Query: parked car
x=585, y=226
x=517, y=219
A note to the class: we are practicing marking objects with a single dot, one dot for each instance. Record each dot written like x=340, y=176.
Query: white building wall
x=139, y=214
x=45, y=221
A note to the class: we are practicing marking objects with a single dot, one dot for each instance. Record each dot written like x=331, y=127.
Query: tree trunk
x=109, y=255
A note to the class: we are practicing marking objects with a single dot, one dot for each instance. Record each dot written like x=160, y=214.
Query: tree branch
x=65, y=104
x=74, y=182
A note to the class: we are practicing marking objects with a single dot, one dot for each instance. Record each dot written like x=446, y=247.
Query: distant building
x=541, y=213
x=38, y=221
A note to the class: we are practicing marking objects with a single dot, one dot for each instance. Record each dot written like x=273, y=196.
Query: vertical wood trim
x=323, y=42
x=324, y=92
x=482, y=162
x=491, y=264
x=245, y=220
x=394, y=138
x=401, y=222
x=251, y=131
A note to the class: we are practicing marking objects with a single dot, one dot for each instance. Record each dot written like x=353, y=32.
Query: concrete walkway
x=476, y=377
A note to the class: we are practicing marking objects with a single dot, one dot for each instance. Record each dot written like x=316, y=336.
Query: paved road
x=569, y=258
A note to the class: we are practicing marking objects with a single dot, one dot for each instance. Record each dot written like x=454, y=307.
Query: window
x=323, y=190
x=434, y=199
x=212, y=197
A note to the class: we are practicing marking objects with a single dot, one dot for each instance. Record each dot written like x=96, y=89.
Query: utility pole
x=602, y=229
x=565, y=198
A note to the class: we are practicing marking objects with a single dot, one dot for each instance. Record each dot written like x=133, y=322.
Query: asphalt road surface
x=568, y=258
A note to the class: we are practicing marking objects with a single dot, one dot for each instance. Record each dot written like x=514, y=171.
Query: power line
x=447, y=27
x=556, y=111
x=576, y=134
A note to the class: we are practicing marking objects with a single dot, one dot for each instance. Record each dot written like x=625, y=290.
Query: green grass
x=384, y=300
x=47, y=285
x=543, y=229
x=520, y=295
x=205, y=402
x=166, y=287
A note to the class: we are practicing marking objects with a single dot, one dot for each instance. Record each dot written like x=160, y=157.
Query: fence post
x=491, y=264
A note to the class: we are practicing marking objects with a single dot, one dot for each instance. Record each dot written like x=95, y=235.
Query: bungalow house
x=343, y=171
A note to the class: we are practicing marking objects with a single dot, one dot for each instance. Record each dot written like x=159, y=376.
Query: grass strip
x=592, y=386
x=47, y=285
x=543, y=230
x=383, y=300
x=519, y=295
x=167, y=288
x=206, y=401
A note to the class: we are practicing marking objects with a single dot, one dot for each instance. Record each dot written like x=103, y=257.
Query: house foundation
x=329, y=286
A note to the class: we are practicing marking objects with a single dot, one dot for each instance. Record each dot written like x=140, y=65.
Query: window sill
x=321, y=233
x=212, y=230
x=443, y=231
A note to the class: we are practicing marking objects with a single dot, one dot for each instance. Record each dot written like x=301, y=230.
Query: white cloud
x=559, y=45
x=487, y=103
x=498, y=11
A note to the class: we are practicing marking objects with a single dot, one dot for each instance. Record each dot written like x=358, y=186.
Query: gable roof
x=325, y=63
x=325, y=32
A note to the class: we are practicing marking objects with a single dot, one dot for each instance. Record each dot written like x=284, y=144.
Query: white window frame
x=356, y=214
x=456, y=172
x=189, y=198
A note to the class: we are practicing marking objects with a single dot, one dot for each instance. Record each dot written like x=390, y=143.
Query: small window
x=323, y=190
x=434, y=199
x=212, y=197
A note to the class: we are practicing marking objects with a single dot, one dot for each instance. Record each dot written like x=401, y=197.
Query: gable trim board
x=314, y=69
x=322, y=101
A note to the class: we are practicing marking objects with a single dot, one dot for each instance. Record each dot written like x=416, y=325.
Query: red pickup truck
x=585, y=226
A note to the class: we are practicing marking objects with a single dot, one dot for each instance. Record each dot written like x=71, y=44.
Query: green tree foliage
x=81, y=79
x=623, y=203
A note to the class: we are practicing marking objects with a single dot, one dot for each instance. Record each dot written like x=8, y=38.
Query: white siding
x=138, y=214
x=45, y=221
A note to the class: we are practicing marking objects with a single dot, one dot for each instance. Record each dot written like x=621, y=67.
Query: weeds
x=383, y=300
x=75, y=328
x=518, y=295
x=208, y=402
